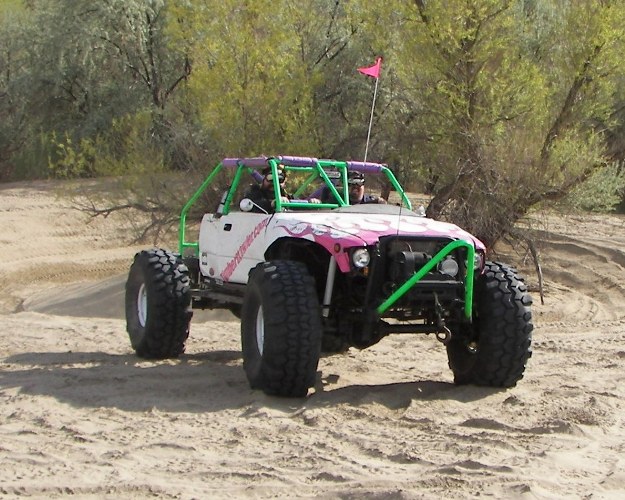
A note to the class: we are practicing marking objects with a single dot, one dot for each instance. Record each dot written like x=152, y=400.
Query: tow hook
x=443, y=335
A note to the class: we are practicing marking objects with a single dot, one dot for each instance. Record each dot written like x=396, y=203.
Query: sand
x=81, y=416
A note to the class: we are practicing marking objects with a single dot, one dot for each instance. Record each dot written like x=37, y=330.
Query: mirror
x=246, y=205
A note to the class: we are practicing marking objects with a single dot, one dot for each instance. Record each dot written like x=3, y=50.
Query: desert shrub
x=125, y=148
x=602, y=192
x=69, y=160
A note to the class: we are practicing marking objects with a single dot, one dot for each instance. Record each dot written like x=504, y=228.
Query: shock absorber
x=327, y=295
x=443, y=334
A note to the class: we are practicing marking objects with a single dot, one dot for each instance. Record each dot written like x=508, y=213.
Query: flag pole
x=375, y=93
x=373, y=71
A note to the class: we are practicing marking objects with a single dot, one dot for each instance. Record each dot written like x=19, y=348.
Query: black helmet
x=266, y=172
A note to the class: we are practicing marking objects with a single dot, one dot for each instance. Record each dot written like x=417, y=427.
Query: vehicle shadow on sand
x=201, y=382
x=396, y=395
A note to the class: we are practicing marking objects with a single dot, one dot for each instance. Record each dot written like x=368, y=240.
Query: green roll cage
x=317, y=170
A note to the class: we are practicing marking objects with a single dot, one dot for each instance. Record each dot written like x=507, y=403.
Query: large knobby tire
x=281, y=329
x=158, y=304
x=497, y=352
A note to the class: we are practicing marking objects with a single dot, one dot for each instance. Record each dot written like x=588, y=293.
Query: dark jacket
x=328, y=197
x=370, y=198
x=263, y=198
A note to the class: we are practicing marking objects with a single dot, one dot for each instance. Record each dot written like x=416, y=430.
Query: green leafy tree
x=267, y=74
x=499, y=100
x=13, y=121
x=250, y=91
x=89, y=63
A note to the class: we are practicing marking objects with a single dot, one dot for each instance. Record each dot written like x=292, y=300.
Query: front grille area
x=403, y=257
x=400, y=258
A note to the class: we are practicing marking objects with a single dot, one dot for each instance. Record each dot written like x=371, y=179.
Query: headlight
x=478, y=261
x=449, y=267
x=361, y=258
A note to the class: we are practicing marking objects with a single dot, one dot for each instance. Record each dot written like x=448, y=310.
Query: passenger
x=356, y=190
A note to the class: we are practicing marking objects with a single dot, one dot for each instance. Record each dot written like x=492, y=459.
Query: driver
x=263, y=194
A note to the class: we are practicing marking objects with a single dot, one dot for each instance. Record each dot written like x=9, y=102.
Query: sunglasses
x=356, y=182
x=281, y=177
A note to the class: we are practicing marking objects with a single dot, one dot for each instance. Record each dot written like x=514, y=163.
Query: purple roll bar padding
x=365, y=167
x=262, y=161
x=300, y=161
x=258, y=161
x=297, y=161
x=230, y=162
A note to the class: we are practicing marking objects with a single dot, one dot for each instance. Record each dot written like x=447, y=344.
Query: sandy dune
x=82, y=417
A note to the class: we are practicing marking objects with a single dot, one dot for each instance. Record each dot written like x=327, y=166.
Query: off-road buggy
x=324, y=277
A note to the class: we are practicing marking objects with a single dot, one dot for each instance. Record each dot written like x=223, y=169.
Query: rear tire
x=497, y=351
x=158, y=304
x=281, y=329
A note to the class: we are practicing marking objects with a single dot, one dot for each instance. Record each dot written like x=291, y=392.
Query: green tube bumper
x=418, y=276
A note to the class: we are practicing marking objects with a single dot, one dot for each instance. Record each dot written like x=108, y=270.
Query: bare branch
x=562, y=120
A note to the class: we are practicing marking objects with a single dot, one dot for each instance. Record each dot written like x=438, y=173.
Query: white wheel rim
x=260, y=330
x=142, y=305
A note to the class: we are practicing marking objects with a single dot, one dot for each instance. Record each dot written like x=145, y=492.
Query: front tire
x=496, y=352
x=281, y=329
x=158, y=304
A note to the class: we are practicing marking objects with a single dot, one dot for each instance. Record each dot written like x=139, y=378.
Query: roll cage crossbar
x=330, y=172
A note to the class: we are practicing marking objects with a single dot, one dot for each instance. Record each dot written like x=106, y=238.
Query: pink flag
x=374, y=70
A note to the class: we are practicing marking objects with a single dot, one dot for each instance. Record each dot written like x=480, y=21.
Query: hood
x=368, y=226
x=349, y=228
